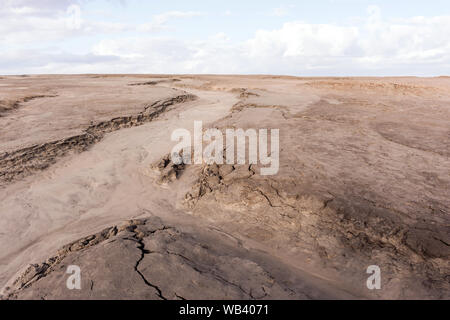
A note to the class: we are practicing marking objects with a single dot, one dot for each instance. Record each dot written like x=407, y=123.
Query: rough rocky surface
x=148, y=259
x=364, y=180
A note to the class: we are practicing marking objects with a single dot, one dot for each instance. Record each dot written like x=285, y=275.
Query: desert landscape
x=86, y=179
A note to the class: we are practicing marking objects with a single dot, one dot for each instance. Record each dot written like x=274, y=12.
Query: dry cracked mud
x=162, y=261
x=364, y=180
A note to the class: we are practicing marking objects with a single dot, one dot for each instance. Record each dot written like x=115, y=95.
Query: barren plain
x=364, y=180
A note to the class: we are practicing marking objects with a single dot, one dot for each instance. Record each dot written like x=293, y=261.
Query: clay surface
x=86, y=180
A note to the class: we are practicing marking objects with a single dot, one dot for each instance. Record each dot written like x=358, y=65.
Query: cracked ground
x=86, y=180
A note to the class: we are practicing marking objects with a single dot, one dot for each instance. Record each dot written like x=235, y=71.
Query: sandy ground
x=364, y=180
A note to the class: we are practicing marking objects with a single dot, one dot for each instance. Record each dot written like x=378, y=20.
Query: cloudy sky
x=311, y=38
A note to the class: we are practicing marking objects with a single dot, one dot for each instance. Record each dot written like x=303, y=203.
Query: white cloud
x=299, y=39
x=375, y=46
x=159, y=21
x=406, y=41
x=280, y=12
x=41, y=7
x=24, y=22
x=35, y=62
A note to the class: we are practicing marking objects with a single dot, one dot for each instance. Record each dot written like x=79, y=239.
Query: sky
x=302, y=38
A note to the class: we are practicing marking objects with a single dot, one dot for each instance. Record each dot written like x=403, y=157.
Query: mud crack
x=139, y=239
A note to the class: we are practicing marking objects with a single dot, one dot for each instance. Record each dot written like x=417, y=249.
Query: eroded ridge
x=24, y=162
x=154, y=82
x=35, y=272
x=10, y=105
